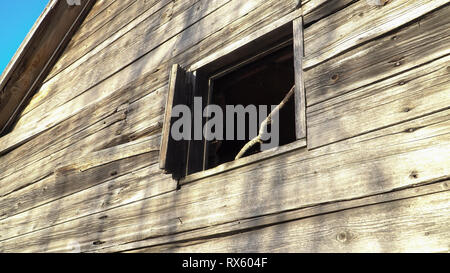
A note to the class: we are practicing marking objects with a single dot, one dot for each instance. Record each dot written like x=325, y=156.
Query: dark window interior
x=262, y=82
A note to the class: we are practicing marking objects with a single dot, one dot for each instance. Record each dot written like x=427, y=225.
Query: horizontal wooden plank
x=410, y=225
x=251, y=159
x=360, y=23
x=76, y=133
x=116, y=127
x=412, y=94
x=359, y=170
x=130, y=149
x=62, y=136
x=249, y=39
x=194, y=236
x=47, y=189
x=403, y=133
x=118, y=191
x=34, y=171
x=315, y=10
x=99, y=6
x=266, y=17
x=90, y=170
x=400, y=50
x=110, y=10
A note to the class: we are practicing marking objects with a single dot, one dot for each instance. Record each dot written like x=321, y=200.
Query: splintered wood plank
x=105, y=156
x=417, y=224
x=360, y=23
x=109, y=130
x=76, y=134
x=408, y=47
x=415, y=93
x=319, y=176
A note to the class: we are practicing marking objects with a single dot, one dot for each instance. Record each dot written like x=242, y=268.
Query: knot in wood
x=335, y=77
x=96, y=243
x=414, y=175
x=343, y=236
x=406, y=109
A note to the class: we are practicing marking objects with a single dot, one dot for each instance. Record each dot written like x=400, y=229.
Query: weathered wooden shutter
x=173, y=154
x=299, y=97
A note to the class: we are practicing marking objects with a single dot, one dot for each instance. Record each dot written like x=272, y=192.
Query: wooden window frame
x=200, y=77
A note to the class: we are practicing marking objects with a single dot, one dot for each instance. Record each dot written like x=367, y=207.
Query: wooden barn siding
x=86, y=173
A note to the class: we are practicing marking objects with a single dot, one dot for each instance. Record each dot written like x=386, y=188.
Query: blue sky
x=16, y=19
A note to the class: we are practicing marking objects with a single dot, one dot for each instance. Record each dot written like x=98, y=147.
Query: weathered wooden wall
x=79, y=172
